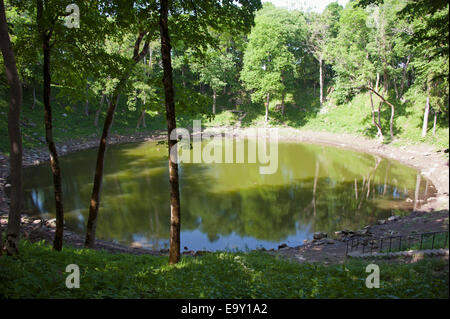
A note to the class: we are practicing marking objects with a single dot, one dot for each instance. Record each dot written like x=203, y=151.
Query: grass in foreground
x=39, y=272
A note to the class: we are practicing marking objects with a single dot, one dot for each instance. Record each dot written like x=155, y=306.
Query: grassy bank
x=39, y=272
x=302, y=112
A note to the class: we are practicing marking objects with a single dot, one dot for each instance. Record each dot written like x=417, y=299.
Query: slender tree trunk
x=267, y=107
x=397, y=93
x=97, y=113
x=380, y=103
x=379, y=131
x=283, y=97
x=54, y=161
x=98, y=177
x=86, y=107
x=405, y=71
x=386, y=91
x=175, y=222
x=435, y=122
x=15, y=137
x=321, y=80
x=425, y=117
x=34, y=98
x=95, y=196
x=141, y=120
x=214, y=101
x=391, y=121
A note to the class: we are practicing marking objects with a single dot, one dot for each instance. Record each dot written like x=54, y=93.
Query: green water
x=228, y=206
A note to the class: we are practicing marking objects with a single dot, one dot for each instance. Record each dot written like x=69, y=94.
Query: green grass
x=441, y=240
x=302, y=112
x=39, y=272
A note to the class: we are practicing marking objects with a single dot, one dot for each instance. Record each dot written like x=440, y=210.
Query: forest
x=91, y=70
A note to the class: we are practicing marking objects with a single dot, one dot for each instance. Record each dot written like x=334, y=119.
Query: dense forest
x=391, y=57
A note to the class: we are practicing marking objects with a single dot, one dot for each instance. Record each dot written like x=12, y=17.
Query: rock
x=363, y=232
x=381, y=222
x=282, y=246
x=136, y=245
x=51, y=223
x=393, y=218
x=329, y=241
x=319, y=235
x=189, y=252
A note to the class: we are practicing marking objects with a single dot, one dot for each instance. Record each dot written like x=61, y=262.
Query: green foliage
x=272, y=51
x=40, y=273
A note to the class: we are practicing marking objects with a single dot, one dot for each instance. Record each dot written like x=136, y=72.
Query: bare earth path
x=432, y=216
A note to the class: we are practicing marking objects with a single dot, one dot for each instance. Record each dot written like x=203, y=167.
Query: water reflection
x=229, y=206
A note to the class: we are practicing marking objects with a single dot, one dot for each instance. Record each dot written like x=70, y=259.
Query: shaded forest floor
x=39, y=272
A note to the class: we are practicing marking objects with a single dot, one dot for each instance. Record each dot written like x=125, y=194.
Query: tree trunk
x=98, y=177
x=214, y=101
x=97, y=114
x=54, y=161
x=397, y=93
x=391, y=121
x=95, y=196
x=141, y=120
x=405, y=70
x=86, y=107
x=283, y=97
x=435, y=122
x=379, y=131
x=34, y=98
x=321, y=80
x=267, y=107
x=174, y=251
x=425, y=117
x=15, y=137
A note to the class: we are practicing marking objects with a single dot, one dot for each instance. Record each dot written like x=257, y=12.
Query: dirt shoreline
x=426, y=159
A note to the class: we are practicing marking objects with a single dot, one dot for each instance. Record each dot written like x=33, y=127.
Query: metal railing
x=429, y=240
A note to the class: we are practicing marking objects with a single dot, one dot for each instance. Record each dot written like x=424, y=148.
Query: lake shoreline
x=424, y=158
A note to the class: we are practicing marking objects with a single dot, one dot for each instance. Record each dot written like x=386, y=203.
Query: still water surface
x=228, y=206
